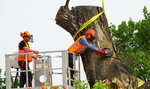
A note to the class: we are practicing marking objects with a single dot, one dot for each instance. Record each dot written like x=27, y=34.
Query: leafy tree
x=132, y=41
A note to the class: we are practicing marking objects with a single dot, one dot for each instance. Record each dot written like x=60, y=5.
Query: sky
x=37, y=17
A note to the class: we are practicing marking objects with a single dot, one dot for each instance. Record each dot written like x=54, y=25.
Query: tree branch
x=67, y=3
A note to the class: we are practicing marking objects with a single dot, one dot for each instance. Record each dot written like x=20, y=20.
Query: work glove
x=99, y=51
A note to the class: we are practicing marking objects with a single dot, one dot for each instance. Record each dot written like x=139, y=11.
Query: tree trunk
x=115, y=73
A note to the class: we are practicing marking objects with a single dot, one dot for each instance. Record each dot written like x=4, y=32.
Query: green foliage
x=2, y=81
x=85, y=85
x=99, y=85
x=132, y=40
x=81, y=84
x=142, y=69
x=146, y=13
x=15, y=82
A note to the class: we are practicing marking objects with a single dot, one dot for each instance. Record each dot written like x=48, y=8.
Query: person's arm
x=98, y=50
x=89, y=45
x=30, y=50
x=22, y=45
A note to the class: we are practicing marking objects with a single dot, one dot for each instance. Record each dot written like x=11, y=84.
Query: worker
x=24, y=59
x=80, y=45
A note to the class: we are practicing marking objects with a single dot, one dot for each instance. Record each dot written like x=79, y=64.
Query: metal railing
x=46, y=65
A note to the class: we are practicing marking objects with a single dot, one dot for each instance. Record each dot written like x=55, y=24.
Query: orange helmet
x=26, y=33
x=90, y=32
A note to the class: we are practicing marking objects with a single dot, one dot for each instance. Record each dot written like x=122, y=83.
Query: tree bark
x=115, y=73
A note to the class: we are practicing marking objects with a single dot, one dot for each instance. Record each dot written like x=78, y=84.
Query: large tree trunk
x=115, y=73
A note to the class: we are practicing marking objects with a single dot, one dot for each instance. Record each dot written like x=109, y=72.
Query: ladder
x=50, y=71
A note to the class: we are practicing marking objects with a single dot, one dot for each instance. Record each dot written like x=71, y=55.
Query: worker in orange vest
x=80, y=45
x=84, y=42
x=24, y=47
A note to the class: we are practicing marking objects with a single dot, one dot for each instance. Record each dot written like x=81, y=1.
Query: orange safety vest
x=23, y=57
x=77, y=47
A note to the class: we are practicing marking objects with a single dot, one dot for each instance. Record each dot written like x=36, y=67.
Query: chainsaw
x=105, y=52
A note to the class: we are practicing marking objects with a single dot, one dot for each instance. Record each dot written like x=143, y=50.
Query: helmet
x=26, y=33
x=90, y=32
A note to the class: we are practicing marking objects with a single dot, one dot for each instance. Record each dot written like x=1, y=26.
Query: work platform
x=50, y=70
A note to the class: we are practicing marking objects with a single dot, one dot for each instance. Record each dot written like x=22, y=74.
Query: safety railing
x=49, y=70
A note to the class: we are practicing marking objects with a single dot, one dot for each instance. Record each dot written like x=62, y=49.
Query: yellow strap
x=91, y=20
x=103, y=4
x=87, y=23
x=104, y=8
